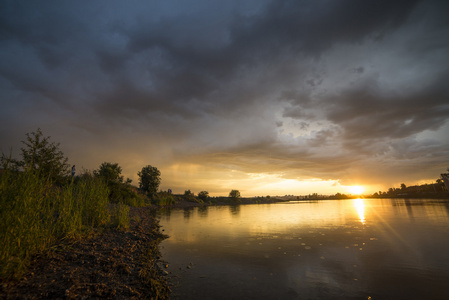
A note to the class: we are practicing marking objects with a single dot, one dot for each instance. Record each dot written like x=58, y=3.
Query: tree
x=43, y=156
x=403, y=186
x=120, y=191
x=110, y=173
x=234, y=194
x=149, y=179
x=189, y=196
x=203, y=195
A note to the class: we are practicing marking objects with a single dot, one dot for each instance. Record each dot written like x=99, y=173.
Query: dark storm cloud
x=261, y=86
x=313, y=26
x=182, y=70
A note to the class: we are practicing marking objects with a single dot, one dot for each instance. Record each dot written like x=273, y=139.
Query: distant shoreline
x=273, y=200
x=220, y=201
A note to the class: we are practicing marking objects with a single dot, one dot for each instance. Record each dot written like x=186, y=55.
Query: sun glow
x=359, y=205
x=356, y=189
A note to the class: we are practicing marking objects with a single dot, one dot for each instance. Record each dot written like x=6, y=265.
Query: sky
x=267, y=97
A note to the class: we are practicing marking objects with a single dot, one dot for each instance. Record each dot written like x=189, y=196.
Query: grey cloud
x=314, y=26
x=259, y=38
x=365, y=113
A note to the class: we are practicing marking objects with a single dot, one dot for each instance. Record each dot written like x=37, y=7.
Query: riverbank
x=107, y=264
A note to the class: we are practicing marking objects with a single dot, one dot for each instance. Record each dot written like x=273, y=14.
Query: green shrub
x=190, y=197
x=130, y=196
x=163, y=199
x=203, y=195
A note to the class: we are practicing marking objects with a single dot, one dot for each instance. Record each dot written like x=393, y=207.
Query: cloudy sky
x=268, y=97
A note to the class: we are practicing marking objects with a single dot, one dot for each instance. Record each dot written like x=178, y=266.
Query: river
x=335, y=249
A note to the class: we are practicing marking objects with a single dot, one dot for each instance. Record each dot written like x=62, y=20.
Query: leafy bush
x=130, y=196
x=203, y=195
x=120, y=191
x=189, y=196
x=162, y=199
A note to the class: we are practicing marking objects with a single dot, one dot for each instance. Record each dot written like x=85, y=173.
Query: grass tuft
x=120, y=217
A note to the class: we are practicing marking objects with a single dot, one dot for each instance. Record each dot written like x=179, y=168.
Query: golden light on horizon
x=356, y=189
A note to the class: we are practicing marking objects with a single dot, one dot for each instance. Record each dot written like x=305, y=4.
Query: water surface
x=337, y=249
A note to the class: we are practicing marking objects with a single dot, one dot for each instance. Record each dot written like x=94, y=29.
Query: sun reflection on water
x=359, y=205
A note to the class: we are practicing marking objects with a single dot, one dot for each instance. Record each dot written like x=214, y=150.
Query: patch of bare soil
x=111, y=264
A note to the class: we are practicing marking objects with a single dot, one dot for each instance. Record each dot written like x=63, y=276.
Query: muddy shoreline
x=109, y=263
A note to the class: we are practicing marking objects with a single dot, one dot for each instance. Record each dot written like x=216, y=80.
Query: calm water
x=348, y=249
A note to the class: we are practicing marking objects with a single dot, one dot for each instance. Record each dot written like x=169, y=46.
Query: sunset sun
x=356, y=189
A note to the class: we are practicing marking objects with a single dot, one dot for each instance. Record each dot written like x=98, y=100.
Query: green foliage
x=163, y=199
x=203, y=195
x=110, y=173
x=130, y=196
x=43, y=156
x=120, y=217
x=92, y=196
x=34, y=213
x=149, y=179
x=40, y=203
x=189, y=196
x=25, y=212
x=120, y=191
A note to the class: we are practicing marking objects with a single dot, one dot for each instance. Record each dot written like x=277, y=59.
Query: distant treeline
x=429, y=190
x=432, y=190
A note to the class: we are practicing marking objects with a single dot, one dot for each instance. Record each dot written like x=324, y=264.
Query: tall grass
x=92, y=195
x=120, y=216
x=34, y=213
